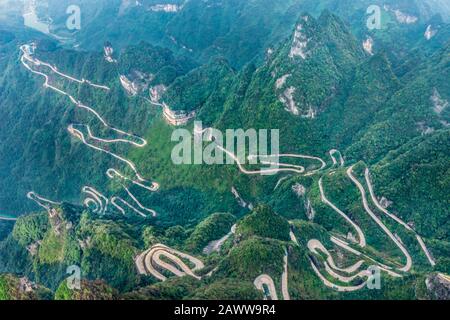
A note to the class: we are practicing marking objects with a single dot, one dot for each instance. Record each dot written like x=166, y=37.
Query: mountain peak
x=305, y=30
x=320, y=51
x=305, y=17
x=328, y=20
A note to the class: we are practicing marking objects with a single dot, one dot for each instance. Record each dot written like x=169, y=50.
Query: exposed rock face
x=156, y=92
x=287, y=98
x=424, y=129
x=169, y=8
x=401, y=16
x=438, y=286
x=177, y=118
x=311, y=114
x=85, y=243
x=385, y=203
x=216, y=245
x=429, y=33
x=136, y=82
x=439, y=104
x=310, y=212
x=128, y=85
x=174, y=40
x=281, y=81
x=239, y=199
x=56, y=221
x=351, y=237
x=404, y=18
x=33, y=248
x=26, y=285
x=32, y=19
x=299, y=189
x=299, y=43
x=125, y=4
x=108, y=53
x=368, y=45
x=317, y=48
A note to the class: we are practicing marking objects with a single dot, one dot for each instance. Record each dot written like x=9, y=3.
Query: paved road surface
x=216, y=245
x=362, y=238
x=397, y=219
x=408, y=263
x=7, y=218
x=77, y=131
x=267, y=280
x=284, y=278
x=151, y=259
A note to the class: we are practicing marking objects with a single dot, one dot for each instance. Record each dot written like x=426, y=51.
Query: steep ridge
x=298, y=83
x=415, y=172
x=372, y=84
x=401, y=121
x=319, y=49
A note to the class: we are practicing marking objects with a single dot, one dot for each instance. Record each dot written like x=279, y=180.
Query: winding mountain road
x=96, y=199
x=216, y=245
x=161, y=257
x=342, y=244
x=284, y=277
x=395, y=218
x=334, y=286
x=150, y=261
x=341, y=161
x=377, y=220
x=41, y=201
x=7, y=218
x=287, y=167
x=266, y=280
x=315, y=246
x=78, y=131
x=361, y=237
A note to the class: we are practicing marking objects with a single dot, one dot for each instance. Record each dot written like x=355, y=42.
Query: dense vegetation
x=210, y=229
x=265, y=223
